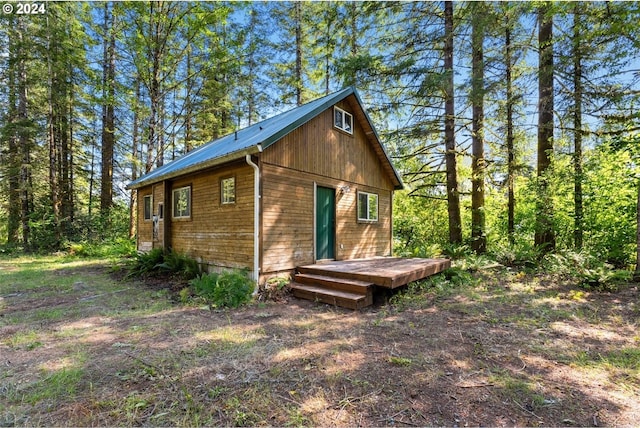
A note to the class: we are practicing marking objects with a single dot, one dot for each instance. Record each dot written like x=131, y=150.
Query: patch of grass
x=60, y=383
x=400, y=361
x=27, y=340
x=296, y=418
x=623, y=359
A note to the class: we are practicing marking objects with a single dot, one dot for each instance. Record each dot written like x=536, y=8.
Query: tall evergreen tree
x=544, y=234
x=108, y=109
x=453, y=195
x=478, y=235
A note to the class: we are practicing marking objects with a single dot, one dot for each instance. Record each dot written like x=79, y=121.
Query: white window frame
x=147, y=214
x=225, y=198
x=340, y=119
x=371, y=217
x=174, y=213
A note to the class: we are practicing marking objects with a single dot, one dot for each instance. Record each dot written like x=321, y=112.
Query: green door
x=325, y=223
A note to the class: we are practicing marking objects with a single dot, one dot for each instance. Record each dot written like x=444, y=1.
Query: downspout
x=256, y=218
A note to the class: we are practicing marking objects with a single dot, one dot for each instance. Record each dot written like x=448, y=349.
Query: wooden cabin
x=310, y=184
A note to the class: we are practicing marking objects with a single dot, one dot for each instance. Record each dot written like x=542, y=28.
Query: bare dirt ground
x=508, y=350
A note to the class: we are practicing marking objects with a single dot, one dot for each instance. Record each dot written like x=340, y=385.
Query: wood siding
x=219, y=235
x=317, y=154
x=319, y=148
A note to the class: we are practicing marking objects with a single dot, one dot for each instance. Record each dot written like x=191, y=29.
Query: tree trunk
x=577, y=124
x=13, y=156
x=453, y=196
x=511, y=167
x=544, y=234
x=24, y=145
x=133, y=201
x=108, y=113
x=478, y=236
x=53, y=131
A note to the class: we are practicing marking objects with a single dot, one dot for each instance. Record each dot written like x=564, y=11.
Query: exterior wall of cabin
x=148, y=238
x=216, y=234
x=317, y=154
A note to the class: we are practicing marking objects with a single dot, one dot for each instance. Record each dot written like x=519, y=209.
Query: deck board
x=388, y=272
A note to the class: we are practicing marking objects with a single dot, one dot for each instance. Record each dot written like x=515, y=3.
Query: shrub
x=520, y=255
x=156, y=261
x=179, y=264
x=228, y=289
x=588, y=269
x=145, y=263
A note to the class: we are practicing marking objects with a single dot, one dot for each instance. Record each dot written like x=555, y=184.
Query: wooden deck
x=388, y=272
x=349, y=283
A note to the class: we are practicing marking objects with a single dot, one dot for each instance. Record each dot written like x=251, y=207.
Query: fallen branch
x=475, y=385
x=526, y=410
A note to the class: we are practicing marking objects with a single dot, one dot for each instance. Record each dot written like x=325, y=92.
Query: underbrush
x=223, y=290
x=590, y=272
x=229, y=289
x=157, y=261
x=586, y=271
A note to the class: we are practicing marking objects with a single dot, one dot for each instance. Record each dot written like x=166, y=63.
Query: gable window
x=182, y=202
x=148, y=204
x=343, y=120
x=367, y=206
x=228, y=190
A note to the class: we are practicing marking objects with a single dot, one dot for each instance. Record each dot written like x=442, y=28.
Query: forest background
x=515, y=125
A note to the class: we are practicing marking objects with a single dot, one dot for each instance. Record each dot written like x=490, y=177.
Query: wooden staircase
x=343, y=292
x=350, y=283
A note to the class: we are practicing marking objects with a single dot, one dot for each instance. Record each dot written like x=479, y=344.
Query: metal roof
x=254, y=139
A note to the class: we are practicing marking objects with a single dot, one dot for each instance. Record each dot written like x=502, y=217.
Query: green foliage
x=120, y=247
x=456, y=251
x=610, y=207
x=145, y=263
x=157, y=261
x=589, y=270
x=522, y=254
x=224, y=290
x=417, y=235
x=179, y=264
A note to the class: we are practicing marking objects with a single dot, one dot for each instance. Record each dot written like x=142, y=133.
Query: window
x=182, y=202
x=148, y=204
x=161, y=211
x=228, y=190
x=343, y=120
x=367, y=206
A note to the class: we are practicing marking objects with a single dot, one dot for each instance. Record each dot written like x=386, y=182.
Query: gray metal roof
x=251, y=140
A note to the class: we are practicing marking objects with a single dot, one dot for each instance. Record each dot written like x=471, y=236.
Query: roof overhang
x=195, y=167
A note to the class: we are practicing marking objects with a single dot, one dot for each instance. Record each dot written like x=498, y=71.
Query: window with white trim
x=182, y=202
x=228, y=190
x=367, y=206
x=343, y=120
x=148, y=207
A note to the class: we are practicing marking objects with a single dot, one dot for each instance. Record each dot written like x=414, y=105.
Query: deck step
x=340, y=298
x=334, y=283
